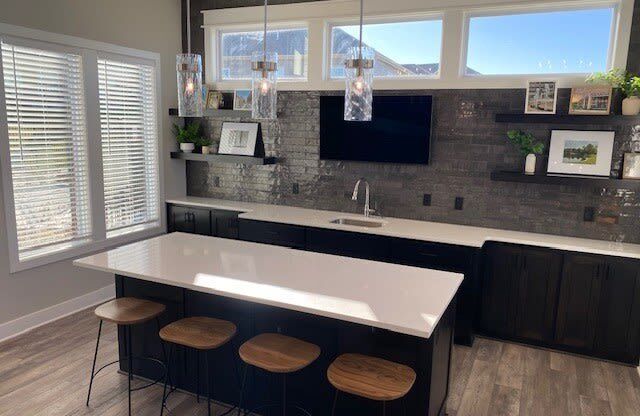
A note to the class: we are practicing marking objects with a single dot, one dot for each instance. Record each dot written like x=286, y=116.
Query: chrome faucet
x=354, y=197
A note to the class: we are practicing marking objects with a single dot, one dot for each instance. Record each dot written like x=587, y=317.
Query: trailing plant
x=525, y=142
x=192, y=133
x=627, y=82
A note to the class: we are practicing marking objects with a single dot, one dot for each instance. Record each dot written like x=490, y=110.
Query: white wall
x=151, y=25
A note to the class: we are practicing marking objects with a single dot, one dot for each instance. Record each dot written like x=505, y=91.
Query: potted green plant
x=528, y=146
x=204, y=143
x=188, y=136
x=627, y=82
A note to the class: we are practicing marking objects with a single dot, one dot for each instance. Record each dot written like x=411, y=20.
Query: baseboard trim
x=33, y=320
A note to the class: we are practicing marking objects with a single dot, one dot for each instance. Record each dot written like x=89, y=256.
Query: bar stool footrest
x=278, y=405
x=134, y=358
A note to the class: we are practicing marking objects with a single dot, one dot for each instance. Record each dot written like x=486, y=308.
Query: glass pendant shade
x=358, y=98
x=189, y=67
x=264, y=89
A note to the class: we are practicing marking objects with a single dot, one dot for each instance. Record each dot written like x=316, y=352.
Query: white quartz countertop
x=412, y=229
x=402, y=299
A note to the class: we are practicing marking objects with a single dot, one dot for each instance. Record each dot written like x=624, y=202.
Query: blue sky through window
x=540, y=43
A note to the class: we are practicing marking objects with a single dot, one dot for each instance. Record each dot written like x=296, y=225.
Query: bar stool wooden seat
x=370, y=377
x=126, y=312
x=203, y=334
x=277, y=353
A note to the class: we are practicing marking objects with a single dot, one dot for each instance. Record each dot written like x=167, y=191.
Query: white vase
x=206, y=150
x=187, y=147
x=530, y=164
x=631, y=106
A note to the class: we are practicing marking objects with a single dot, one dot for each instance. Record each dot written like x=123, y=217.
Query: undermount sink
x=357, y=222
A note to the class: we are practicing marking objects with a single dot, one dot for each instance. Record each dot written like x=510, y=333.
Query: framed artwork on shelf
x=542, y=97
x=215, y=100
x=238, y=139
x=242, y=100
x=585, y=153
x=594, y=100
x=631, y=166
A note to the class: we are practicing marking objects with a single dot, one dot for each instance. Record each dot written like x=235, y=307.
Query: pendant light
x=358, y=97
x=189, y=68
x=264, y=80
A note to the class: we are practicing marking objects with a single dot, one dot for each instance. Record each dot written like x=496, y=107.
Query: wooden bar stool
x=202, y=334
x=276, y=353
x=126, y=312
x=370, y=377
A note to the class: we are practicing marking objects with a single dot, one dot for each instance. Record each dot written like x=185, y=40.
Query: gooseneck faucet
x=354, y=197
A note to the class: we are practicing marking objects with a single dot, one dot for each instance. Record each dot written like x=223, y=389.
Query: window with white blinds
x=46, y=123
x=129, y=145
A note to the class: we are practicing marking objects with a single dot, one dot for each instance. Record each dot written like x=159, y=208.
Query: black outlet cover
x=589, y=214
x=459, y=203
x=216, y=181
x=426, y=200
x=296, y=188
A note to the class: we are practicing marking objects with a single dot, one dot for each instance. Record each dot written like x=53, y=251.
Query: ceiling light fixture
x=189, y=68
x=358, y=97
x=264, y=80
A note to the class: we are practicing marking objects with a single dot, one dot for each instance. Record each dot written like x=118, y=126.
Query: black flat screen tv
x=399, y=132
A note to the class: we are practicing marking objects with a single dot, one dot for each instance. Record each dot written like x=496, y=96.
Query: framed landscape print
x=242, y=100
x=586, y=153
x=542, y=97
x=594, y=100
x=631, y=166
x=238, y=139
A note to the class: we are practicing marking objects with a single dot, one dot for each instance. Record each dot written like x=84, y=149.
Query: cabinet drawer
x=225, y=223
x=346, y=243
x=272, y=233
x=431, y=255
x=189, y=220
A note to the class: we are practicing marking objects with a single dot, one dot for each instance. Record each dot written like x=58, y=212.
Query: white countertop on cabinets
x=402, y=299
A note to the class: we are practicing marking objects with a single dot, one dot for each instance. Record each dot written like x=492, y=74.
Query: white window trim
x=98, y=240
x=319, y=17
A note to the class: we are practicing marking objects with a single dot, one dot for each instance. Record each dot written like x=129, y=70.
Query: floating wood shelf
x=216, y=113
x=567, y=119
x=246, y=160
x=510, y=176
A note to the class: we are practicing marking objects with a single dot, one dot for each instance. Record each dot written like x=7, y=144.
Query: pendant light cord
x=264, y=40
x=361, y=24
x=189, y=26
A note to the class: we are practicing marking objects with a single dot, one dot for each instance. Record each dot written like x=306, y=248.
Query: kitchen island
x=401, y=313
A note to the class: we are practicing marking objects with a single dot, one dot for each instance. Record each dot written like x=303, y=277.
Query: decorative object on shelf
x=627, y=82
x=188, y=136
x=205, y=150
x=215, y=100
x=631, y=167
x=264, y=67
x=242, y=100
x=590, y=100
x=528, y=147
x=542, y=97
x=189, y=69
x=358, y=96
x=581, y=152
x=238, y=139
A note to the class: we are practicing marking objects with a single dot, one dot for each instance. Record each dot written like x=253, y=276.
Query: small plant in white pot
x=629, y=85
x=528, y=146
x=188, y=136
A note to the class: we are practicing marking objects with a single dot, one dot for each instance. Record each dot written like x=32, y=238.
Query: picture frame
x=242, y=100
x=592, y=100
x=542, y=97
x=215, y=100
x=238, y=139
x=631, y=166
x=586, y=153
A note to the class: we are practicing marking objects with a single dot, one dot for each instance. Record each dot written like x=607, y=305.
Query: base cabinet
x=213, y=222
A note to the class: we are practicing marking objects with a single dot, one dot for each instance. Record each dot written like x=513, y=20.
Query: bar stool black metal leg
x=244, y=380
x=335, y=403
x=166, y=380
x=384, y=408
x=284, y=395
x=207, y=375
x=95, y=357
x=198, y=376
x=130, y=367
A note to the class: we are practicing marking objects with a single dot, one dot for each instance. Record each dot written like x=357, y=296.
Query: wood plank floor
x=45, y=372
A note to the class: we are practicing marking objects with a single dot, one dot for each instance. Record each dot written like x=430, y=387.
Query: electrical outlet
x=296, y=188
x=426, y=200
x=589, y=214
x=459, y=203
x=216, y=181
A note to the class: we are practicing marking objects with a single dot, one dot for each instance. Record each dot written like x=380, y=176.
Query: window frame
x=531, y=9
x=98, y=240
x=321, y=16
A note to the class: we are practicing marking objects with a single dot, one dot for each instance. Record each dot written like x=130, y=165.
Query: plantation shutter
x=44, y=96
x=129, y=144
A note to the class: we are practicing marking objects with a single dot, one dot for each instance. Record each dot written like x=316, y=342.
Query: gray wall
x=152, y=25
x=467, y=146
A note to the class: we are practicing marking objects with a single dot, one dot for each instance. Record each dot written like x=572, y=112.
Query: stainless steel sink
x=357, y=222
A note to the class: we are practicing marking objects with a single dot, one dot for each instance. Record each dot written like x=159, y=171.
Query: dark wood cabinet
x=349, y=244
x=224, y=224
x=272, y=233
x=189, y=220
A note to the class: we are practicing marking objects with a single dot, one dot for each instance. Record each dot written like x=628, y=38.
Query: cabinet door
x=499, y=293
x=618, y=328
x=224, y=224
x=189, y=220
x=538, y=294
x=272, y=233
x=349, y=244
x=579, y=301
